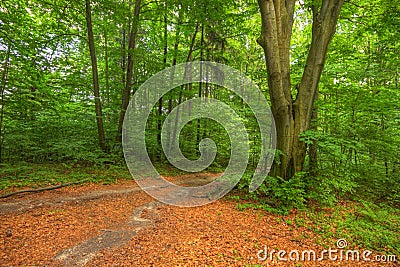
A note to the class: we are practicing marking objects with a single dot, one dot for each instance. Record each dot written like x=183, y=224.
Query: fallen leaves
x=213, y=235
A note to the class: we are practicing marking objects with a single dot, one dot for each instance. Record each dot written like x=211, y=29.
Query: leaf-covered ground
x=117, y=225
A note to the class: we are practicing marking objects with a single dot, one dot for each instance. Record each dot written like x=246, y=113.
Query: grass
x=363, y=224
x=39, y=175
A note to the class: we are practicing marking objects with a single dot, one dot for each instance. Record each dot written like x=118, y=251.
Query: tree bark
x=98, y=108
x=123, y=57
x=174, y=134
x=313, y=148
x=107, y=68
x=199, y=134
x=129, y=72
x=4, y=77
x=160, y=101
x=174, y=62
x=293, y=115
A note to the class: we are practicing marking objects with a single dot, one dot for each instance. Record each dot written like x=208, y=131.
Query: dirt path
x=82, y=253
x=16, y=209
x=21, y=203
x=120, y=225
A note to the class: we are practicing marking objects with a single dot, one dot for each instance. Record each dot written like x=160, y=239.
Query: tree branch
x=36, y=190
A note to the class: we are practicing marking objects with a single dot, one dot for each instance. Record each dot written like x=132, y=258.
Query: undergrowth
x=328, y=210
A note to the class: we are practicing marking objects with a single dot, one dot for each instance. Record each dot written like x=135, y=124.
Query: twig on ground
x=36, y=190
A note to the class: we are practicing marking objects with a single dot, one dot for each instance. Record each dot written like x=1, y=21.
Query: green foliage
x=285, y=194
x=328, y=190
x=367, y=225
x=374, y=226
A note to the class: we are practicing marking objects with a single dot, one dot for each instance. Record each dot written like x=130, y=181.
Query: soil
x=120, y=225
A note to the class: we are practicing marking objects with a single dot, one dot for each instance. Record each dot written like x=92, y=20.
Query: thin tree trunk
x=293, y=116
x=182, y=88
x=123, y=57
x=313, y=148
x=200, y=84
x=3, y=88
x=174, y=62
x=107, y=70
x=98, y=108
x=190, y=58
x=129, y=72
x=160, y=101
x=123, y=64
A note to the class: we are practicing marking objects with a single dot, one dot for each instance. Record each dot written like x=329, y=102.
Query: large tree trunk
x=129, y=71
x=99, y=112
x=293, y=116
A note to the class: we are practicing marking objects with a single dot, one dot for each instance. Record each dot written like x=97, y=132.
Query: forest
x=329, y=70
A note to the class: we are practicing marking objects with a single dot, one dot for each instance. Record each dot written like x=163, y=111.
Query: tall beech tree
x=293, y=114
x=129, y=72
x=95, y=74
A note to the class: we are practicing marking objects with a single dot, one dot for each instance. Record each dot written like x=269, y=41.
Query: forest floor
x=120, y=225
